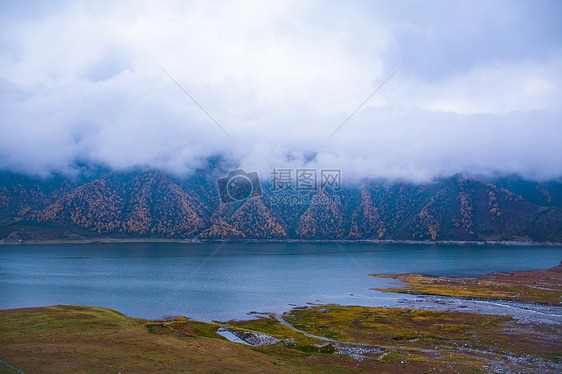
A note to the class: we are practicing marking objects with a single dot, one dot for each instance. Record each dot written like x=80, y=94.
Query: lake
x=222, y=281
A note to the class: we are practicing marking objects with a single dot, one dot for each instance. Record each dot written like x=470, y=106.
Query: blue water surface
x=222, y=281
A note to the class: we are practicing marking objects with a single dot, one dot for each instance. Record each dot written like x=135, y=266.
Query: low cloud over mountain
x=478, y=89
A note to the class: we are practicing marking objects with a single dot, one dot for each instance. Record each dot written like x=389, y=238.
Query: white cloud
x=498, y=90
x=78, y=83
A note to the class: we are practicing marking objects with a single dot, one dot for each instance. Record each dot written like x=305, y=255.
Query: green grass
x=69, y=339
x=542, y=286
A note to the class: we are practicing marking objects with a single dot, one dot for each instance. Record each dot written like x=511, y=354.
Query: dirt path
x=492, y=358
x=284, y=322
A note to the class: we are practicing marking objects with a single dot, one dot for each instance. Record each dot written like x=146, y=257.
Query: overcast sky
x=478, y=89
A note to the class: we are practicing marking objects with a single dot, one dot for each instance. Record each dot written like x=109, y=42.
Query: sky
x=408, y=90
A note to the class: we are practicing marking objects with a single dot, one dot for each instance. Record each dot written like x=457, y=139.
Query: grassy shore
x=319, y=339
x=339, y=339
x=78, y=339
x=540, y=286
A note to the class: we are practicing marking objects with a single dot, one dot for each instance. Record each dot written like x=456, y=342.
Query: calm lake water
x=214, y=281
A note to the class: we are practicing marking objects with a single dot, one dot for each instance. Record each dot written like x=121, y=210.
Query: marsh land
x=307, y=339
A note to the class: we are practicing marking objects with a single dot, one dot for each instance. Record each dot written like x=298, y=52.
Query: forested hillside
x=150, y=204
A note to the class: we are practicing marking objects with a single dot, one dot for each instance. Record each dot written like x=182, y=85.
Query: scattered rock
x=357, y=353
x=253, y=338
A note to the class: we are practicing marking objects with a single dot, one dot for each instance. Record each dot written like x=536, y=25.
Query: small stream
x=524, y=312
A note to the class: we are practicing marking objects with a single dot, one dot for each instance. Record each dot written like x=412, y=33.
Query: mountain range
x=148, y=203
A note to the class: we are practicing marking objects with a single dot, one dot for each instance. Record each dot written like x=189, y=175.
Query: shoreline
x=483, y=243
x=379, y=339
x=429, y=333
